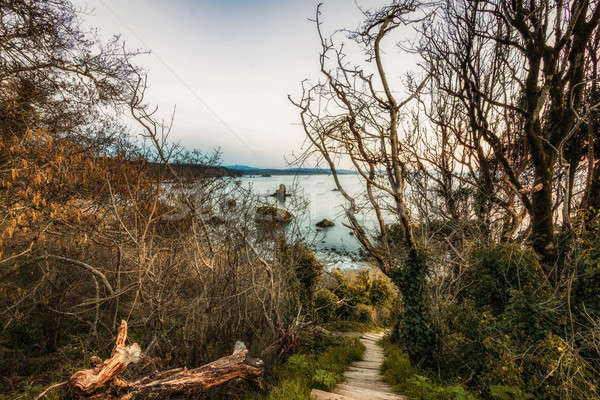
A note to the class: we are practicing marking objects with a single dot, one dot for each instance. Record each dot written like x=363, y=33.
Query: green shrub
x=293, y=388
x=421, y=387
x=298, y=365
x=380, y=292
x=348, y=326
x=396, y=367
x=464, y=329
x=325, y=305
x=416, y=329
x=501, y=392
x=305, y=266
x=384, y=316
x=323, y=365
x=497, y=269
x=587, y=284
x=507, y=331
x=365, y=289
x=337, y=358
x=399, y=373
x=325, y=380
x=364, y=313
x=307, y=269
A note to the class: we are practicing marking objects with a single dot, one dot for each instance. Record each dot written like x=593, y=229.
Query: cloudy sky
x=227, y=66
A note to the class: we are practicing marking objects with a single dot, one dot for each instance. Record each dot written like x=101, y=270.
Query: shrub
x=497, y=269
x=321, y=367
x=398, y=372
x=380, y=292
x=384, y=316
x=501, y=392
x=587, y=283
x=417, y=329
x=324, y=379
x=305, y=266
x=364, y=313
x=507, y=331
x=364, y=293
x=307, y=269
x=325, y=304
x=294, y=388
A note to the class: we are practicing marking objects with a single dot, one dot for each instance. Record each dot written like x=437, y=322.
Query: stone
x=280, y=193
x=325, y=223
x=270, y=214
x=230, y=203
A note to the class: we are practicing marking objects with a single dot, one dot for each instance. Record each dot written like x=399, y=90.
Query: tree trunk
x=102, y=382
x=542, y=225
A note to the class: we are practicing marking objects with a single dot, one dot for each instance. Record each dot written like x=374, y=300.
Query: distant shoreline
x=246, y=170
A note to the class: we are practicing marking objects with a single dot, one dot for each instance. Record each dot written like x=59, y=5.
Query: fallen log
x=102, y=382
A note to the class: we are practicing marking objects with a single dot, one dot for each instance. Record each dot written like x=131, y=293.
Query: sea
x=312, y=199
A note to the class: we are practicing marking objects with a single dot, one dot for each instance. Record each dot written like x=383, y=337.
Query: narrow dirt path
x=363, y=380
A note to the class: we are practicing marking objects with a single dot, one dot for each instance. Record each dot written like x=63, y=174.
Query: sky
x=226, y=66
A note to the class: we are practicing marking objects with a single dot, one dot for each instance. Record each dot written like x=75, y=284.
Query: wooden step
x=366, y=394
x=317, y=394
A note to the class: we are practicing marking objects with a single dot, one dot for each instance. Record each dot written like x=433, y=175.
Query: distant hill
x=247, y=170
x=240, y=167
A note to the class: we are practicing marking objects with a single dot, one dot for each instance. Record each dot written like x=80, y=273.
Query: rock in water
x=325, y=223
x=281, y=193
x=230, y=203
x=271, y=214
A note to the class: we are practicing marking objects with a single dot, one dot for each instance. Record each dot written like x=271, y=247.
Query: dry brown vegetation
x=96, y=227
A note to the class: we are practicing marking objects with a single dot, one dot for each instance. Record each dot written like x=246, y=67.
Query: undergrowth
x=320, y=365
x=405, y=379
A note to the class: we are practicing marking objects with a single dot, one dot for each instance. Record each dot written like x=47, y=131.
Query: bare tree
x=353, y=115
x=519, y=70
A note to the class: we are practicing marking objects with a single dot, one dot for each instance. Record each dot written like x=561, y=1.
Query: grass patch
x=321, y=369
x=407, y=380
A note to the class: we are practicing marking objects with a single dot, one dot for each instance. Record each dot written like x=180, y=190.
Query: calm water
x=334, y=245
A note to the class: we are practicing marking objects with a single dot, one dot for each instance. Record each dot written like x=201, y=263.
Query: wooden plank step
x=317, y=394
x=369, y=375
x=366, y=394
x=358, y=386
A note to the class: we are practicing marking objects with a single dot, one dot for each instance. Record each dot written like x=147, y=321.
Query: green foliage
x=325, y=305
x=364, y=313
x=421, y=387
x=508, y=328
x=396, y=366
x=298, y=364
x=501, y=392
x=417, y=329
x=380, y=292
x=293, y=388
x=325, y=379
x=348, y=326
x=308, y=269
x=587, y=284
x=366, y=296
x=405, y=379
x=498, y=269
x=305, y=266
x=322, y=366
x=339, y=357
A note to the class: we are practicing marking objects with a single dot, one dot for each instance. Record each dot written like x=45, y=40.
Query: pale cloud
x=241, y=58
